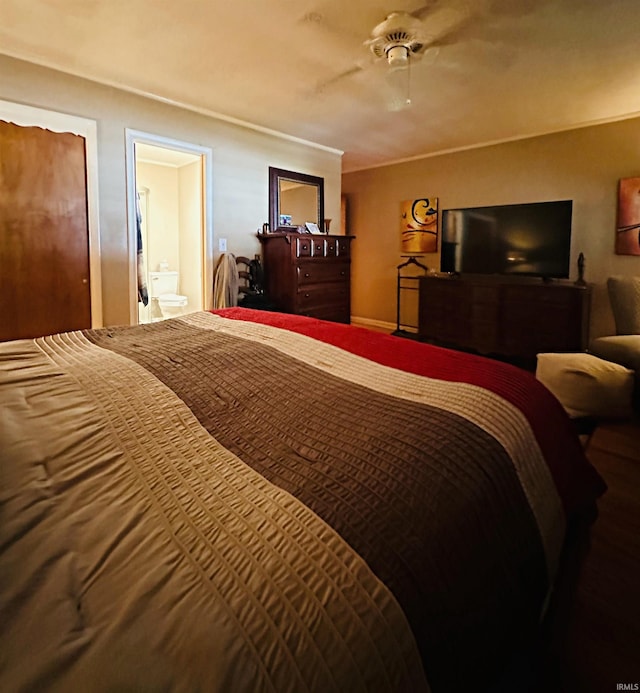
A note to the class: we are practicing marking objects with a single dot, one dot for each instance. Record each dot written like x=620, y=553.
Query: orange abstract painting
x=628, y=226
x=419, y=226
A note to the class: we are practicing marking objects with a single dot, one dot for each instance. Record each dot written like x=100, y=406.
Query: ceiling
x=496, y=69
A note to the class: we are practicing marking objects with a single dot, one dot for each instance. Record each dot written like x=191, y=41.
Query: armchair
x=624, y=346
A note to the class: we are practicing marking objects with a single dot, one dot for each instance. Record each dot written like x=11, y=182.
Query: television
x=531, y=239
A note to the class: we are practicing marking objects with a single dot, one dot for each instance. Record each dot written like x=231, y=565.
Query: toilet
x=164, y=286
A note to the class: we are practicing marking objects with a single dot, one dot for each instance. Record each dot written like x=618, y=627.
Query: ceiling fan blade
x=462, y=29
x=322, y=86
x=329, y=24
x=425, y=9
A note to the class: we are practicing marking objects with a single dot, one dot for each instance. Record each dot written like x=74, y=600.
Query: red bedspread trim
x=578, y=483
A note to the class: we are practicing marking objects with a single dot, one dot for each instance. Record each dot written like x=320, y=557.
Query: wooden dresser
x=516, y=319
x=308, y=274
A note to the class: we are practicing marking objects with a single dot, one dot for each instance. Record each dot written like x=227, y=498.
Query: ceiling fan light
x=398, y=89
x=398, y=56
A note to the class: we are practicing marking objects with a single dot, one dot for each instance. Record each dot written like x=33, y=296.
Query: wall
x=163, y=220
x=584, y=165
x=191, y=266
x=241, y=160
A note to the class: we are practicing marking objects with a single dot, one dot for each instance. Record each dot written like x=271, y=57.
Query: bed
x=241, y=500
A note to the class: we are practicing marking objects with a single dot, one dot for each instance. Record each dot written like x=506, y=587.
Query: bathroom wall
x=190, y=263
x=163, y=217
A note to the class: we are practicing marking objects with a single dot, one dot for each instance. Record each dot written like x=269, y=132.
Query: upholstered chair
x=624, y=347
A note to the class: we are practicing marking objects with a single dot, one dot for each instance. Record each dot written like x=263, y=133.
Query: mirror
x=294, y=199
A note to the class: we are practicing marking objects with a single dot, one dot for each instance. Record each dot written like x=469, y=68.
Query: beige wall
x=162, y=209
x=241, y=160
x=583, y=165
x=191, y=229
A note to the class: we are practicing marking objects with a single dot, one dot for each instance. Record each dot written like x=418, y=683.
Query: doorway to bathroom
x=170, y=229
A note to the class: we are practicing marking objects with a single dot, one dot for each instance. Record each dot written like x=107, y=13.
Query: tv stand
x=504, y=317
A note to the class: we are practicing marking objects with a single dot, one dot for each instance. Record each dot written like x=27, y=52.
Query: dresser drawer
x=303, y=246
x=343, y=247
x=321, y=272
x=330, y=294
x=338, y=312
x=318, y=246
x=330, y=246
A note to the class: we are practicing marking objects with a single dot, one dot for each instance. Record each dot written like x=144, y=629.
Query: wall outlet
x=222, y=245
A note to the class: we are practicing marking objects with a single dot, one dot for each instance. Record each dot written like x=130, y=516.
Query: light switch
x=222, y=245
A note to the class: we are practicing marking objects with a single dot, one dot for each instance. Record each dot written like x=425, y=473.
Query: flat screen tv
x=532, y=239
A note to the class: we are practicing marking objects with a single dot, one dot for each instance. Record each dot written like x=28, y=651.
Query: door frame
x=29, y=116
x=132, y=137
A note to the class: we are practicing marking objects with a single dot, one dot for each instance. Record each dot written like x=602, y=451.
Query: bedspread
x=218, y=503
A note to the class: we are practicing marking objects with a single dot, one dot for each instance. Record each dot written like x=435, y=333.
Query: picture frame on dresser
x=312, y=227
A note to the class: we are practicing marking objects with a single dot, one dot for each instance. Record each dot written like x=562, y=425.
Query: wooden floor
x=602, y=646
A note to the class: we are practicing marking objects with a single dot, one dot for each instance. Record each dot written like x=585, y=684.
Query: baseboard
x=377, y=325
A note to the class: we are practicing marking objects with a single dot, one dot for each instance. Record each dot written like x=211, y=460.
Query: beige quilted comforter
x=172, y=519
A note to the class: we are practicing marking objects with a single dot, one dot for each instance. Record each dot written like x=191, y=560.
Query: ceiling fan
x=404, y=39
x=396, y=43
x=399, y=39
x=399, y=42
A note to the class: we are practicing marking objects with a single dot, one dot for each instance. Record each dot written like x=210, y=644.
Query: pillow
x=586, y=385
x=624, y=295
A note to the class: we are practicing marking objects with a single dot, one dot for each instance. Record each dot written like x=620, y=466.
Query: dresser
x=494, y=316
x=308, y=274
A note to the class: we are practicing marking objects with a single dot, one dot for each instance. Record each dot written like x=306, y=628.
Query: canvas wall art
x=419, y=226
x=628, y=225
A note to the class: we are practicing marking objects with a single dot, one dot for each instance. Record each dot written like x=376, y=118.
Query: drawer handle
x=342, y=273
x=306, y=274
x=331, y=247
x=307, y=295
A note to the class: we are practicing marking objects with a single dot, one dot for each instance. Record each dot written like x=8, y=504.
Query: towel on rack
x=225, y=283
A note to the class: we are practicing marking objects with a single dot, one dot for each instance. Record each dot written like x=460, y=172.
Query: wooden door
x=44, y=239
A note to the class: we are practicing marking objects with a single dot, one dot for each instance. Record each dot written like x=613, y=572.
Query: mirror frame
x=278, y=174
